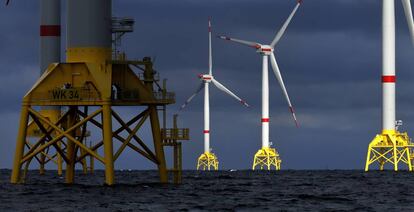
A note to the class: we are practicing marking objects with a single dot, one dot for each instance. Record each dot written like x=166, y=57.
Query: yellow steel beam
x=94, y=148
x=125, y=126
x=148, y=154
x=51, y=158
x=70, y=150
x=21, y=140
x=108, y=148
x=64, y=134
x=130, y=136
x=159, y=151
x=138, y=150
x=47, y=134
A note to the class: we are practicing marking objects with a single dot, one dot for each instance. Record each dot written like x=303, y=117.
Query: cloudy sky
x=330, y=58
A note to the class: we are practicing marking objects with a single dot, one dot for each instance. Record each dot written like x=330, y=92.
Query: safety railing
x=175, y=134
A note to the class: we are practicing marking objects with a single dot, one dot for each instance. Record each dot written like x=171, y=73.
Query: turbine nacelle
x=205, y=77
x=264, y=50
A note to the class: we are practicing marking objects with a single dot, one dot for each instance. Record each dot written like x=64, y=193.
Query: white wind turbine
x=208, y=159
x=268, y=156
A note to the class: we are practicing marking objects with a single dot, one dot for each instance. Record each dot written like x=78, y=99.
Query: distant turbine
x=209, y=159
x=268, y=156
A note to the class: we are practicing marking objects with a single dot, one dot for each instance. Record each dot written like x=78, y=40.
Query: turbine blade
x=285, y=25
x=210, y=51
x=409, y=15
x=244, y=42
x=221, y=87
x=278, y=75
x=200, y=87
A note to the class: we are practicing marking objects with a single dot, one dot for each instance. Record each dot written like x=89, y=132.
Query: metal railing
x=156, y=77
x=175, y=134
x=164, y=96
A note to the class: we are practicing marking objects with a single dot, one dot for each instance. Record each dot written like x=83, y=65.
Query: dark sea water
x=214, y=191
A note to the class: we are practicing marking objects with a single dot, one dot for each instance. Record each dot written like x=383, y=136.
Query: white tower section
x=388, y=66
x=265, y=102
x=49, y=33
x=206, y=118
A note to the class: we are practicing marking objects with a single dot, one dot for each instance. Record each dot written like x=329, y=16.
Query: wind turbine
x=267, y=156
x=391, y=146
x=209, y=159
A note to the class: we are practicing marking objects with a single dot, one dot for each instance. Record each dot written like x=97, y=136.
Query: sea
x=286, y=190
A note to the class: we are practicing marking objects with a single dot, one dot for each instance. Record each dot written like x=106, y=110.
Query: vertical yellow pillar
x=70, y=149
x=395, y=156
x=91, y=164
x=83, y=162
x=70, y=165
x=21, y=140
x=410, y=168
x=159, y=152
x=59, y=160
x=367, y=162
x=42, y=162
x=180, y=163
x=107, y=139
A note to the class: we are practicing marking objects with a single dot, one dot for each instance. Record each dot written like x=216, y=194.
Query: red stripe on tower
x=206, y=131
x=50, y=30
x=388, y=79
x=265, y=120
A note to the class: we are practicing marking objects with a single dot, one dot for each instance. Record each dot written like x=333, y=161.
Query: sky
x=330, y=58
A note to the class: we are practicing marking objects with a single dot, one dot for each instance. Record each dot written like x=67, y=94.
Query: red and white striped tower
x=391, y=146
x=388, y=66
x=49, y=33
x=206, y=118
x=265, y=102
x=206, y=131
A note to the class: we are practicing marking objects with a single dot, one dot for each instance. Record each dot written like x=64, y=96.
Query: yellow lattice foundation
x=390, y=147
x=266, y=158
x=207, y=161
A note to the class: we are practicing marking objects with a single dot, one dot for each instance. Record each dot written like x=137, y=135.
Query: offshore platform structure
x=84, y=91
x=50, y=52
x=391, y=146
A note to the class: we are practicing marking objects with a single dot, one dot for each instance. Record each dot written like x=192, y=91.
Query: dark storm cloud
x=330, y=58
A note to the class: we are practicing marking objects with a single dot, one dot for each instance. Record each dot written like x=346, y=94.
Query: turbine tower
x=391, y=146
x=267, y=156
x=209, y=160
